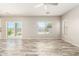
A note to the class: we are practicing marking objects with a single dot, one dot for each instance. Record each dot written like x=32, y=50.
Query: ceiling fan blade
x=39, y=5
x=52, y=3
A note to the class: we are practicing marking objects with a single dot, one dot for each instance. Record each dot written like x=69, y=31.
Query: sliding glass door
x=14, y=29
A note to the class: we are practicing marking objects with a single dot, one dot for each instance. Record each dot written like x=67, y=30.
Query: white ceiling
x=28, y=9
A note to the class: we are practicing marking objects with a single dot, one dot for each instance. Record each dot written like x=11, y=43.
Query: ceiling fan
x=45, y=5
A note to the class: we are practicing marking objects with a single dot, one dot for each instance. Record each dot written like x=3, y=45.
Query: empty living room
x=39, y=29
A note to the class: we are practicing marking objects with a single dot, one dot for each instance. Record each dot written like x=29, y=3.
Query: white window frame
x=44, y=32
x=14, y=29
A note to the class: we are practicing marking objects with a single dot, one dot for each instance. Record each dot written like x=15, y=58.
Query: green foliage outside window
x=10, y=32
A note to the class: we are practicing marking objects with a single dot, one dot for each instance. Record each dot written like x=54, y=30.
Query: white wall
x=30, y=27
x=70, y=26
x=0, y=28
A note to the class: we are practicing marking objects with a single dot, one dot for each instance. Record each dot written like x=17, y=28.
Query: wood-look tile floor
x=39, y=47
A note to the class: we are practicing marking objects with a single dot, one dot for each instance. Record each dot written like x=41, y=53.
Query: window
x=10, y=29
x=18, y=28
x=44, y=27
x=14, y=29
